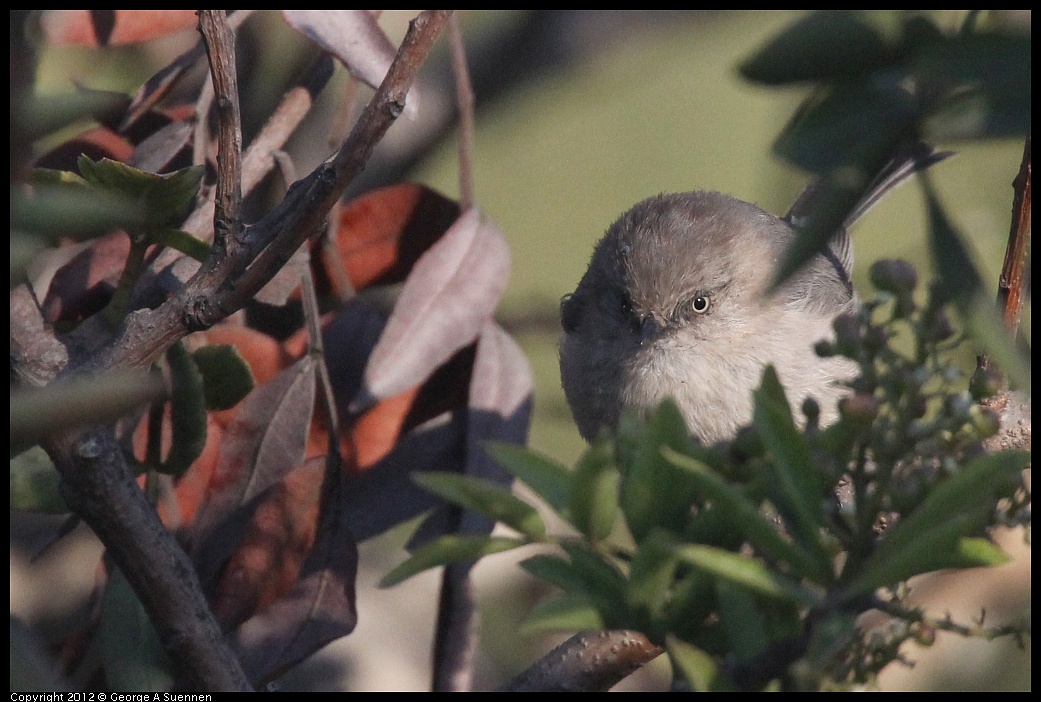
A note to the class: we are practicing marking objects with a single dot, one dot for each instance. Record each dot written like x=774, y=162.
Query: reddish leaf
x=320, y=606
x=159, y=85
x=355, y=39
x=112, y=27
x=266, y=563
x=264, y=441
x=382, y=233
x=85, y=284
x=452, y=290
x=96, y=144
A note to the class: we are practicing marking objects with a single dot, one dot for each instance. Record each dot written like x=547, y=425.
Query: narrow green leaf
x=79, y=402
x=568, y=612
x=134, y=657
x=798, y=485
x=548, y=479
x=487, y=498
x=971, y=487
x=986, y=78
x=58, y=210
x=652, y=573
x=187, y=412
x=744, y=517
x=655, y=493
x=449, y=549
x=741, y=621
x=943, y=546
x=698, y=668
x=594, y=492
x=748, y=573
x=556, y=570
x=182, y=241
x=604, y=583
x=226, y=376
x=960, y=280
x=35, y=483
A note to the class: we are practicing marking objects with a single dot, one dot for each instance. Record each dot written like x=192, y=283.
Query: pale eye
x=700, y=304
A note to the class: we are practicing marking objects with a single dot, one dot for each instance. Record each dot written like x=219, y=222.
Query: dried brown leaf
x=355, y=39
x=266, y=439
x=320, y=605
x=452, y=290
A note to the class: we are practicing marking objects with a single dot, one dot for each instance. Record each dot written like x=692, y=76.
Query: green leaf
x=167, y=199
x=40, y=115
x=747, y=573
x=57, y=210
x=83, y=401
x=594, y=492
x=569, y=612
x=940, y=547
x=187, y=412
x=698, y=668
x=655, y=493
x=604, y=584
x=487, y=498
x=798, y=484
x=984, y=79
x=929, y=538
x=548, y=479
x=826, y=45
x=744, y=516
x=556, y=570
x=848, y=131
x=35, y=483
x=652, y=573
x=130, y=648
x=449, y=549
x=182, y=241
x=960, y=280
x=741, y=621
x=226, y=376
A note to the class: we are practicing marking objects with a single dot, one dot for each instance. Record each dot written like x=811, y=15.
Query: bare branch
x=220, y=49
x=464, y=96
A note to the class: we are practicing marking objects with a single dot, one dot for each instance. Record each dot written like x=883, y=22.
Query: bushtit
x=675, y=302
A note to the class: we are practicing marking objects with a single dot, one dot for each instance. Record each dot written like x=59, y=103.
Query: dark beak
x=649, y=329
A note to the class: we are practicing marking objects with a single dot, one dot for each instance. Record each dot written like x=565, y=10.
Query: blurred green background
x=637, y=103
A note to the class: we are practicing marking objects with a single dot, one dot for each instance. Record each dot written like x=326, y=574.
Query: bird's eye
x=700, y=304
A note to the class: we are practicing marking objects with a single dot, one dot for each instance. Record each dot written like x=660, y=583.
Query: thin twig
x=1015, y=273
x=220, y=48
x=464, y=96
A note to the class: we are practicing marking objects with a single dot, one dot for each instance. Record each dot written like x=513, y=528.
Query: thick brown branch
x=98, y=487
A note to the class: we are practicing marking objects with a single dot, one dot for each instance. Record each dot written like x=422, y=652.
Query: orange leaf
x=112, y=27
x=267, y=562
x=382, y=233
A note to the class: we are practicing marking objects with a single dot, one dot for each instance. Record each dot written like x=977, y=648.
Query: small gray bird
x=675, y=302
